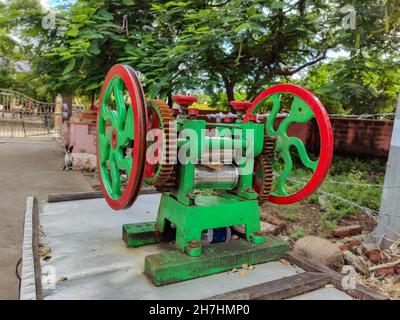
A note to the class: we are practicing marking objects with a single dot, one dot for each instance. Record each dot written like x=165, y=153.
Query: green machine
x=213, y=175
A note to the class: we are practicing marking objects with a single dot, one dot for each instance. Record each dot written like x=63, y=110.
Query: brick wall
x=362, y=137
x=352, y=137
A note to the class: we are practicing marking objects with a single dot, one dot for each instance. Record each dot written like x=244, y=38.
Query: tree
x=237, y=47
x=358, y=85
x=368, y=81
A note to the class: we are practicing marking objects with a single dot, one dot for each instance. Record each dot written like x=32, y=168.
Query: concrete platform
x=90, y=260
x=28, y=168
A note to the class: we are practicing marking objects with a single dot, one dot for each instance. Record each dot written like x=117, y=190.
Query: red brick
x=384, y=271
x=274, y=220
x=346, y=231
x=374, y=255
x=354, y=243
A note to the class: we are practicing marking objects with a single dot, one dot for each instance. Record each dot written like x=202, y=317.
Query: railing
x=22, y=116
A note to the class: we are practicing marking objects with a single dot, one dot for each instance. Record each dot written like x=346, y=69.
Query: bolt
x=193, y=244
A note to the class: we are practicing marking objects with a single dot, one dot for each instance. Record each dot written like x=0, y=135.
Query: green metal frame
x=191, y=214
x=207, y=212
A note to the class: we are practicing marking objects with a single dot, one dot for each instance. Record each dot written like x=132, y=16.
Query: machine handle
x=240, y=105
x=184, y=101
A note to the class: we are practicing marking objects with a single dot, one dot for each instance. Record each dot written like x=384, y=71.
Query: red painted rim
x=134, y=87
x=325, y=133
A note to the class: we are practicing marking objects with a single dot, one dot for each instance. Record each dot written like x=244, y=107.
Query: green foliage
x=223, y=49
x=349, y=185
x=352, y=177
x=297, y=233
x=291, y=213
x=358, y=85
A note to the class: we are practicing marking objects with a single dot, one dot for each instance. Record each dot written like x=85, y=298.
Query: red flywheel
x=304, y=106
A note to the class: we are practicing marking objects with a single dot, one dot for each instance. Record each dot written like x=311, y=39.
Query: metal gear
x=262, y=174
x=171, y=184
x=160, y=117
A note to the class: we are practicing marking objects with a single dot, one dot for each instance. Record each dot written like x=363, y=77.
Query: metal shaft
x=225, y=177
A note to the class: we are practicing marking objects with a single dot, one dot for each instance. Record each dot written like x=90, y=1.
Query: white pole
x=388, y=228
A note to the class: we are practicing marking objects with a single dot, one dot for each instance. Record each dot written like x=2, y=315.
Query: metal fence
x=22, y=116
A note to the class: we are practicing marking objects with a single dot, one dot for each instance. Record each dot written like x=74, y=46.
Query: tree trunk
x=169, y=99
x=229, y=89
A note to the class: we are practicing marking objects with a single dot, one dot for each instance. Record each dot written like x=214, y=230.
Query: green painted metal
x=173, y=266
x=249, y=137
x=300, y=112
x=120, y=120
x=191, y=214
x=139, y=234
x=207, y=212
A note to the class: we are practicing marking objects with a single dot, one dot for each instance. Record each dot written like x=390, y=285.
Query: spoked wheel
x=304, y=106
x=121, y=137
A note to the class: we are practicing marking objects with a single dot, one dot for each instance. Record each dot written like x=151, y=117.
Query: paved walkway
x=27, y=167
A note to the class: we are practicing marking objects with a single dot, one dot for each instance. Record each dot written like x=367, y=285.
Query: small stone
x=44, y=250
x=267, y=228
x=343, y=246
x=319, y=250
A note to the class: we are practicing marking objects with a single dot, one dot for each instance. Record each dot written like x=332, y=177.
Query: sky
x=47, y=4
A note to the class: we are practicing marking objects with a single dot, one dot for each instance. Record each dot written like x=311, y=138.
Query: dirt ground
x=308, y=217
x=27, y=167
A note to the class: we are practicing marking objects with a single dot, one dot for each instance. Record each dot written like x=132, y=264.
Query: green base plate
x=173, y=266
x=139, y=234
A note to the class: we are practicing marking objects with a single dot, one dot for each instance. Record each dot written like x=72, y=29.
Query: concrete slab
x=28, y=168
x=88, y=254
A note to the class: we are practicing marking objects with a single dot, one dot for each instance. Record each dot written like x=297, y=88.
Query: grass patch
x=290, y=213
x=297, y=233
x=354, y=180
x=349, y=182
